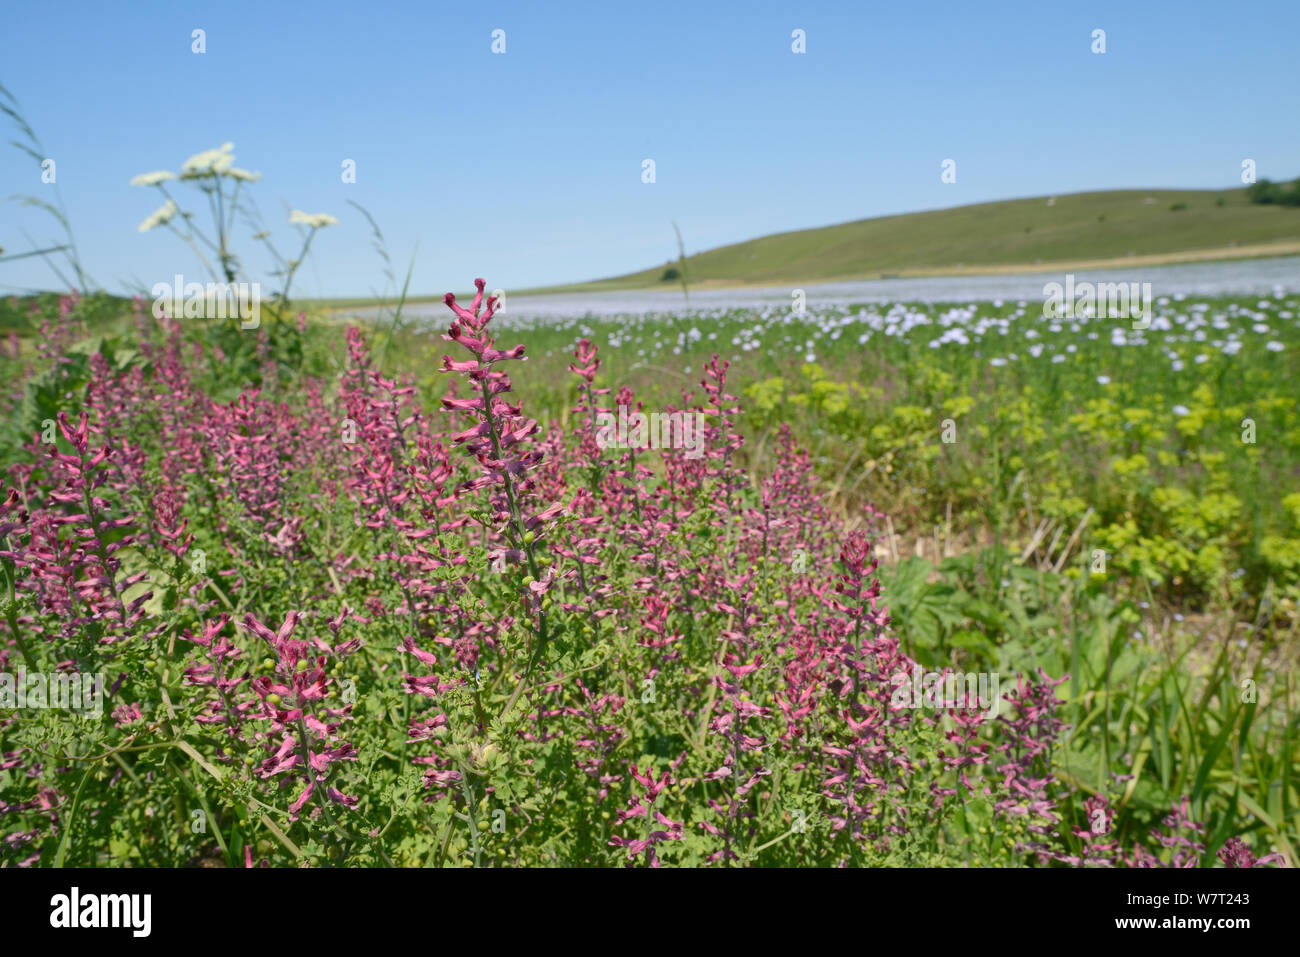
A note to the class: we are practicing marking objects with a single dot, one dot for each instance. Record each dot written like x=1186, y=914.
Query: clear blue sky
x=525, y=168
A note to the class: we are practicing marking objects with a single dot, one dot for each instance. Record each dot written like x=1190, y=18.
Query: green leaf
x=1212, y=755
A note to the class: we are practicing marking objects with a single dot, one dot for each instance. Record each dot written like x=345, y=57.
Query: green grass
x=996, y=236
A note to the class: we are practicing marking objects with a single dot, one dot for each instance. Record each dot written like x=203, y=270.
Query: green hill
x=1146, y=226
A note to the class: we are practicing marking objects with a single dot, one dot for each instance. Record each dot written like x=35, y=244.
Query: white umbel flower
x=161, y=216
x=152, y=179
x=209, y=162
x=314, y=220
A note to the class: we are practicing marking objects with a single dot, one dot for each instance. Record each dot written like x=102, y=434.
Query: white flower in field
x=1176, y=365
x=1202, y=358
x=314, y=220
x=162, y=215
x=243, y=175
x=1260, y=327
x=1103, y=380
x=209, y=162
x=1181, y=410
x=152, y=179
x=997, y=362
x=1274, y=346
x=1058, y=358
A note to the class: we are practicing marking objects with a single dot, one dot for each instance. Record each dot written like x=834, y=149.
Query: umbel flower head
x=152, y=179
x=314, y=220
x=209, y=162
x=159, y=217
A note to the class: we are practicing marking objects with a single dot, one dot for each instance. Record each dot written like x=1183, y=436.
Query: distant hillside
x=1077, y=229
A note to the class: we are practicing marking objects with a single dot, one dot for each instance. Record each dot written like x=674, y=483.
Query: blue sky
x=525, y=168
